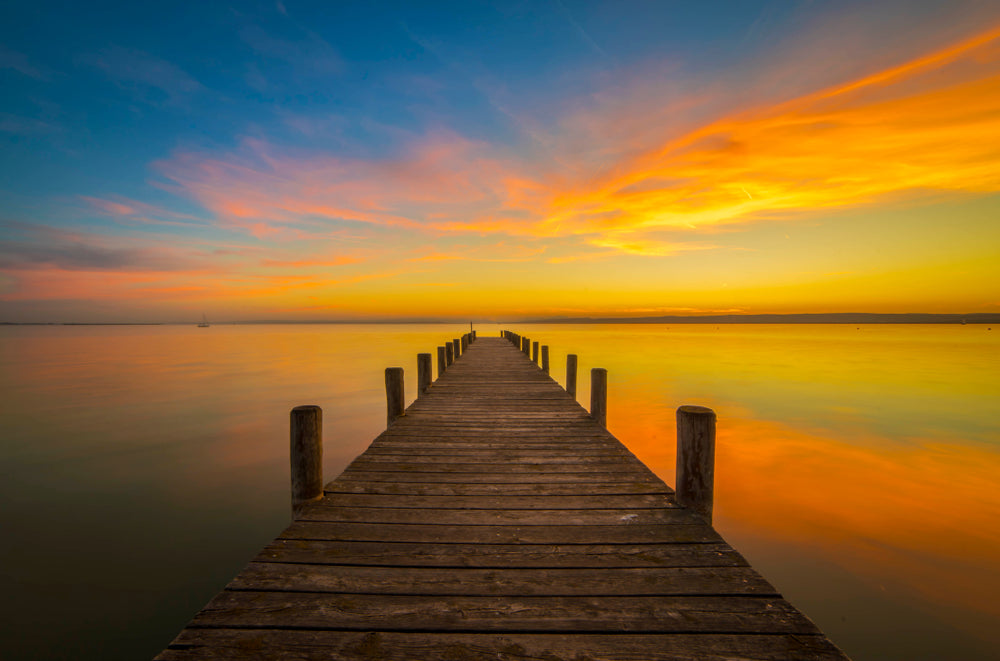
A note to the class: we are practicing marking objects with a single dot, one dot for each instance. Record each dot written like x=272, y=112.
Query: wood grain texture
x=497, y=519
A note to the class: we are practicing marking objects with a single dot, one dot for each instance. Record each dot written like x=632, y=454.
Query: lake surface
x=858, y=468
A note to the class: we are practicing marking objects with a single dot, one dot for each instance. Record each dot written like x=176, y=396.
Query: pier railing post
x=442, y=364
x=526, y=346
x=449, y=354
x=423, y=373
x=545, y=358
x=306, y=451
x=534, y=352
x=571, y=375
x=395, y=403
x=456, y=348
x=599, y=395
x=696, y=459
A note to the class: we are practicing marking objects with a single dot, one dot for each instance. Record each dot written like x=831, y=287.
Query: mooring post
x=571, y=375
x=395, y=404
x=456, y=348
x=545, y=358
x=695, y=480
x=442, y=365
x=534, y=352
x=526, y=346
x=465, y=342
x=306, y=450
x=423, y=373
x=599, y=395
x=449, y=354
x=473, y=336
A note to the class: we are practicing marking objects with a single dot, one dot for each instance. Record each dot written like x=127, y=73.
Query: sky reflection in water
x=856, y=466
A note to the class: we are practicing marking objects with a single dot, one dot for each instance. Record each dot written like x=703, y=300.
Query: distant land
x=829, y=318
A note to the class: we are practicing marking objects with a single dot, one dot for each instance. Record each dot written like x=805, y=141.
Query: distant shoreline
x=809, y=318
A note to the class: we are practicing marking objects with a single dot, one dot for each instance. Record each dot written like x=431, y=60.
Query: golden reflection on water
x=877, y=447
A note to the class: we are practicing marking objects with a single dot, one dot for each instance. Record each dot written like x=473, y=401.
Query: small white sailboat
x=204, y=322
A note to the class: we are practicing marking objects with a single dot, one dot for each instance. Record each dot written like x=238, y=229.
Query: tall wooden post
x=442, y=363
x=534, y=352
x=545, y=358
x=456, y=348
x=423, y=373
x=571, y=375
x=695, y=482
x=599, y=395
x=306, y=451
x=395, y=403
x=449, y=354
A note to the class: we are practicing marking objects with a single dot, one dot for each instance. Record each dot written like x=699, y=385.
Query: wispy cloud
x=131, y=210
x=19, y=62
x=149, y=78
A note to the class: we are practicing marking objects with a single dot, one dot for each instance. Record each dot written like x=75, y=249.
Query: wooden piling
x=306, y=451
x=449, y=354
x=545, y=358
x=456, y=347
x=696, y=459
x=442, y=364
x=395, y=402
x=424, y=377
x=599, y=395
x=571, y=375
x=534, y=352
x=526, y=346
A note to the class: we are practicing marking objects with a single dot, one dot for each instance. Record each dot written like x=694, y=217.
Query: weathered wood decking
x=497, y=520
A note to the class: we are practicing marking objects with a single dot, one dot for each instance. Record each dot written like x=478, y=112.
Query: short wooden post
x=534, y=352
x=599, y=395
x=526, y=346
x=545, y=358
x=571, y=375
x=473, y=336
x=423, y=373
x=395, y=403
x=465, y=342
x=442, y=363
x=696, y=459
x=449, y=354
x=306, y=450
x=456, y=348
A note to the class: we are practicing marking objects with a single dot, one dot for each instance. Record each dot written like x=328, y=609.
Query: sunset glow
x=410, y=164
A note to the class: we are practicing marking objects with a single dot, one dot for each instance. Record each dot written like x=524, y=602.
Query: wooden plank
x=502, y=501
x=321, y=645
x=324, y=511
x=432, y=554
x=629, y=478
x=466, y=489
x=557, y=534
x=516, y=582
x=604, y=614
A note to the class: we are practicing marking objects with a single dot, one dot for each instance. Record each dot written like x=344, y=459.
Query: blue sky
x=291, y=154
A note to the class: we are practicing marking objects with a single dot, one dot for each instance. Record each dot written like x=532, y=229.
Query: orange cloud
x=929, y=124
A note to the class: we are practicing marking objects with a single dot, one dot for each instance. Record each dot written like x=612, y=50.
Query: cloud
x=308, y=57
x=608, y=173
x=127, y=209
x=151, y=79
x=19, y=62
x=26, y=126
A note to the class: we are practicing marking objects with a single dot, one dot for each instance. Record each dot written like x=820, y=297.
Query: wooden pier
x=497, y=519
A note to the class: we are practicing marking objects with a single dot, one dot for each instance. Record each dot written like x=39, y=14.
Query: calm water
x=858, y=467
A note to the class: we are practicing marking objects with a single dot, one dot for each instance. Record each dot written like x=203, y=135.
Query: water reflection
x=142, y=466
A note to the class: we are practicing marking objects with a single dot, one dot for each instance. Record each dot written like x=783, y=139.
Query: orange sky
x=662, y=189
